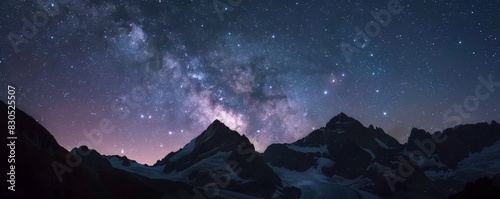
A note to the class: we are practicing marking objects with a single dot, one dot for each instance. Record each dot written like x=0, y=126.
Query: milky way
x=161, y=71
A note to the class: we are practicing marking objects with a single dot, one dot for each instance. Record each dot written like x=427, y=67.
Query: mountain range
x=344, y=159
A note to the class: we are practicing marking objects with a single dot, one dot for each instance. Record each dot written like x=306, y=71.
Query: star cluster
x=161, y=71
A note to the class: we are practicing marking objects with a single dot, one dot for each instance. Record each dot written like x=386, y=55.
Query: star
x=190, y=68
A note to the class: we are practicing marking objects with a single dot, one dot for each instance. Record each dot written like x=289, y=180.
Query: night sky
x=161, y=71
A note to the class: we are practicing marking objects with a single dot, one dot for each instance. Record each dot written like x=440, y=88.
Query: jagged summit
x=341, y=114
x=216, y=123
x=216, y=137
x=214, y=149
x=219, y=132
x=342, y=118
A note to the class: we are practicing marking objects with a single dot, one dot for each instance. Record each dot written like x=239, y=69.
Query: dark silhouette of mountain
x=37, y=153
x=342, y=133
x=346, y=148
x=344, y=159
x=482, y=188
x=230, y=151
x=460, y=141
x=123, y=159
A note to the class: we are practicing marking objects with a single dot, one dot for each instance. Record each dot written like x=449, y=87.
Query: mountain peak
x=217, y=135
x=342, y=118
x=217, y=127
x=342, y=114
x=216, y=123
x=416, y=133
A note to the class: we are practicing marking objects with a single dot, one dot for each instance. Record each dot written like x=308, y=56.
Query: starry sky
x=160, y=71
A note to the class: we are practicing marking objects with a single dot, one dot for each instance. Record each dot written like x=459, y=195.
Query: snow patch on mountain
x=381, y=144
x=187, y=149
x=476, y=164
x=432, y=161
x=337, y=130
x=380, y=168
x=369, y=151
x=324, y=162
x=480, y=163
x=155, y=172
x=322, y=149
x=439, y=175
x=313, y=185
x=215, y=163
